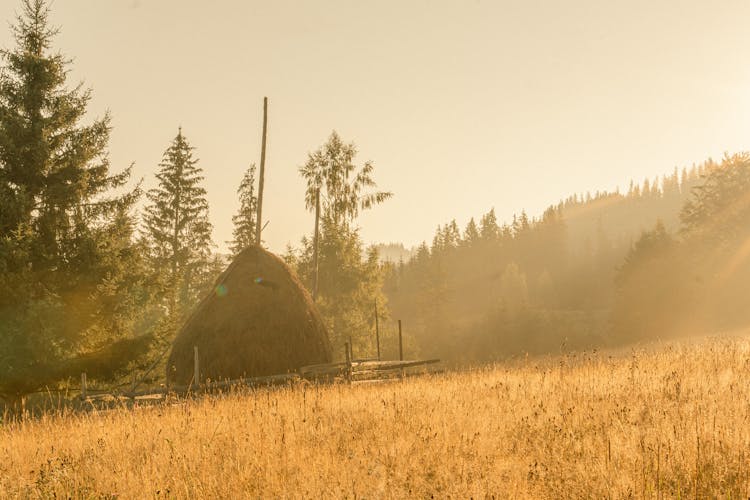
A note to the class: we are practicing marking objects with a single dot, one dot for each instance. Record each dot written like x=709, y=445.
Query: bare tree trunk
x=315, y=246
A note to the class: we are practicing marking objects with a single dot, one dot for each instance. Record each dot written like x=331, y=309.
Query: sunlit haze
x=462, y=106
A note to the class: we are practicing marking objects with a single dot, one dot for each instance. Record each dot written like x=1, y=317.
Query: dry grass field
x=672, y=421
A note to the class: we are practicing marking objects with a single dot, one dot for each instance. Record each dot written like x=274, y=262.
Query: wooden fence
x=350, y=371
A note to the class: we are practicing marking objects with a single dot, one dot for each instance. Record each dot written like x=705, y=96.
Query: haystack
x=259, y=320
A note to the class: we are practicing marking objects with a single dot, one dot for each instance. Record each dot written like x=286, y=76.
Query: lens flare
x=221, y=290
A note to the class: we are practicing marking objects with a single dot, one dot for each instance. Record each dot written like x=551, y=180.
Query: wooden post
x=83, y=387
x=400, y=349
x=258, y=227
x=400, y=343
x=315, y=245
x=347, y=348
x=377, y=329
x=196, y=367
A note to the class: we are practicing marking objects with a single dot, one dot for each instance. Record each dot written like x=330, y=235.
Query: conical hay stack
x=259, y=320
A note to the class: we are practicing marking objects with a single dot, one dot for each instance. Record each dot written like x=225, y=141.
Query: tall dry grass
x=670, y=422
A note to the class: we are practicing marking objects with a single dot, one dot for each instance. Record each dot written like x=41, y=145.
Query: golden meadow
x=668, y=420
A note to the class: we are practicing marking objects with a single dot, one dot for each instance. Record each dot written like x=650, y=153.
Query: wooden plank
x=320, y=367
x=394, y=365
x=333, y=369
x=323, y=372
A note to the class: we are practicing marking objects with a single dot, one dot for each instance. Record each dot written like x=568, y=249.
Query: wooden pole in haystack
x=83, y=387
x=315, y=245
x=377, y=329
x=258, y=227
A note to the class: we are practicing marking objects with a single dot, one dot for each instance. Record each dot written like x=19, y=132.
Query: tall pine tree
x=66, y=250
x=178, y=231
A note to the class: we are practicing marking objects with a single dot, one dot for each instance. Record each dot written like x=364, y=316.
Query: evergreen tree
x=515, y=226
x=525, y=225
x=178, y=231
x=646, y=189
x=471, y=233
x=67, y=258
x=488, y=228
x=452, y=235
x=438, y=241
x=348, y=284
x=331, y=170
x=245, y=219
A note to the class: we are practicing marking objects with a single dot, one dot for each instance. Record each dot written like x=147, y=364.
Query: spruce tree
x=488, y=228
x=178, y=232
x=243, y=234
x=471, y=233
x=452, y=235
x=66, y=252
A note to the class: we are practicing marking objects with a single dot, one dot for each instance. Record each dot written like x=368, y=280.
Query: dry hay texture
x=258, y=320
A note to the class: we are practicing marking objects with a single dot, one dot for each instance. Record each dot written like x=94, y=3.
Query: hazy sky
x=462, y=105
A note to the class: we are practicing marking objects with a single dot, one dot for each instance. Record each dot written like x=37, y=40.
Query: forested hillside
x=537, y=284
